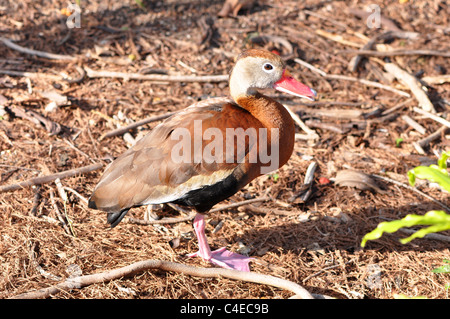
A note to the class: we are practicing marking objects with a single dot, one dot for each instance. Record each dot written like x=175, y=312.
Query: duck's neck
x=272, y=115
x=240, y=82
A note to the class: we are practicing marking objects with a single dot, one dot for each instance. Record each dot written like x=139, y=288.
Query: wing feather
x=148, y=174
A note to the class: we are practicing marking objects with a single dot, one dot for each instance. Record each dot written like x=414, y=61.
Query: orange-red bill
x=288, y=84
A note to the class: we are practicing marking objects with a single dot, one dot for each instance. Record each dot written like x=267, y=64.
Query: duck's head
x=260, y=69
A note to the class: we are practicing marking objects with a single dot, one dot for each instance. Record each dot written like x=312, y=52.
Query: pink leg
x=221, y=256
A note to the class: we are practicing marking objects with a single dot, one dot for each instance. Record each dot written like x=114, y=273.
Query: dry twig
x=439, y=79
x=59, y=215
x=41, y=54
x=433, y=136
x=31, y=75
x=350, y=78
x=141, y=266
x=131, y=126
x=419, y=128
x=413, y=84
x=445, y=54
x=134, y=125
x=387, y=179
x=432, y=116
x=50, y=178
x=311, y=133
x=155, y=77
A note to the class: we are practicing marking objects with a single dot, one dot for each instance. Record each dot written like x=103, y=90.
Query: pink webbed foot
x=226, y=259
x=221, y=257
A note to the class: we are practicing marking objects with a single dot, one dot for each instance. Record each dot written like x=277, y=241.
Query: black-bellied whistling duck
x=205, y=154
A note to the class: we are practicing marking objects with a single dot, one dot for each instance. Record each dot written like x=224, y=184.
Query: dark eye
x=268, y=67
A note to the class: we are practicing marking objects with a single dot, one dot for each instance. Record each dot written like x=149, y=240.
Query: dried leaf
x=360, y=180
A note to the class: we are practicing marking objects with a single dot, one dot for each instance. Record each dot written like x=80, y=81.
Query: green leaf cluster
x=445, y=269
x=434, y=173
x=437, y=220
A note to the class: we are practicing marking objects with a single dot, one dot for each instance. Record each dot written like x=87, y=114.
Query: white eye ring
x=267, y=67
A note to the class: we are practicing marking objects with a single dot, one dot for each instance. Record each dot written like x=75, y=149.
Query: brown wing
x=173, y=160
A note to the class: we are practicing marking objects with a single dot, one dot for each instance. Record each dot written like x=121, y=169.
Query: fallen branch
x=155, y=77
x=387, y=179
x=432, y=116
x=397, y=107
x=124, y=129
x=439, y=79
x=31, y=75
x=445, y=54
x=41, y=54
x=413, y=84
x=349, y=78
x=367, y=82
x=309, y=132
x=50, y=178
x=419, y=128
x=53, y=77
x=433, y=136
x=141, y=266
x=131, y=126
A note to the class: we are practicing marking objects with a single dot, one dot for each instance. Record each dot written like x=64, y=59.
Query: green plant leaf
x=442, y=162
x=438, y=220
x=140, y=4
x=443, y=269
x=275, y=177
x=432, y=173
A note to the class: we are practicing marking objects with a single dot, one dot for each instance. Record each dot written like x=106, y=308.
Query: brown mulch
x=315, y=243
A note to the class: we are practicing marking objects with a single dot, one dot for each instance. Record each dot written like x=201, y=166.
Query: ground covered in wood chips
x=54, y=119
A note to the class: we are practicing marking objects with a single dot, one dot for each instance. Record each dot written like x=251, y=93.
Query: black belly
x=201, y=199
x=204, y=198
